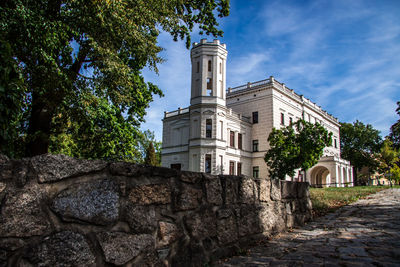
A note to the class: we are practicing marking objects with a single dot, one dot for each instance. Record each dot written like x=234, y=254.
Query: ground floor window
x=239, y=168
x=207, y=166
x=256, y=172
x=231, y=168
x=176, y=166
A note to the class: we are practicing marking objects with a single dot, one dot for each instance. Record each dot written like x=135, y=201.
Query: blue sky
x=343, y=55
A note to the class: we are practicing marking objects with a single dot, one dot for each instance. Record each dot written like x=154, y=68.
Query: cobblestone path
x=365, y=233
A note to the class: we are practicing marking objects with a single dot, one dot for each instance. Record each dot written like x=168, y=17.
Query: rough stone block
x=51, y=168
x=213, y=189
x=303, y=190
x=267, y=217
x=62, y=249
x=190, y=177
x=141, y=219
x=230, y=186
x=202, y=224
x=119, y=248
x=188, y=197
x=94, y=201
x=15, y=170
x=290, y=220
x=289, y=190
x=22, y=215
x=276, y=189
x=227, y=231
x=264, y=190
x=246, y=190
x=167, y=233
x=124, y=168
x=249, y=220
x=151, y=194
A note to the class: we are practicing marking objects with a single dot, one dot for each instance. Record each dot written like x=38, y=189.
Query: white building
x=226, y=132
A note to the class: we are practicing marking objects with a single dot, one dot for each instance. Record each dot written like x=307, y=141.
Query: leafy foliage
x=388, y=160
x=296, y=146
x=12, y=102
x=359, y=144
x=150, y=156
x=81, y=63
x=395, y=130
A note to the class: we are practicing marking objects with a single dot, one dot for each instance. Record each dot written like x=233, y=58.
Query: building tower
x=207, y=106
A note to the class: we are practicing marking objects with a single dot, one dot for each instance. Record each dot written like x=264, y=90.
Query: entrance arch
x=320, y=176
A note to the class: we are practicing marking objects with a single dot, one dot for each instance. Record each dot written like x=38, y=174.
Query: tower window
x=198, y=67
x=255, y=117
x=255, y=145
x=209, y=86
x=208, y=128
x=256, y=172
x=232, y=139
x=207, y=166
x=240, y=141
x=209, y=65
x=220, y=67
x=231, y=168
x=335, y=142
x=239, y=168
x=282, y=119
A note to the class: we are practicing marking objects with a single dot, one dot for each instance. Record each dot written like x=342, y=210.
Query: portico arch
x=320, y=176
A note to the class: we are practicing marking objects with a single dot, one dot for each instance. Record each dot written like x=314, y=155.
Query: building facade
x=226, y=131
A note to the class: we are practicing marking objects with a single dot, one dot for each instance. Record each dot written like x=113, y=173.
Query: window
x=221, y=162
x=207, y=166
x=240, y=141
x=335, y=142
x=291, y=120
x=176, y=166
x=239, y=168
x=220, y=67
x=256, y=172
x=209, y=86
x=282, y=119
x=208, y=128
x=232, y=138
x=222, y=129
x=221, y=86
x=255, y=145
x=209, y=65
x=231, y=168
x=198, y=67
x=255, y=117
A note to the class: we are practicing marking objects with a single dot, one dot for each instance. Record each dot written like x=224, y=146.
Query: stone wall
x=57, y=210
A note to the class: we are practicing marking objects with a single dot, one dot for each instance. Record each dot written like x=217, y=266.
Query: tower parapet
x=208, y=72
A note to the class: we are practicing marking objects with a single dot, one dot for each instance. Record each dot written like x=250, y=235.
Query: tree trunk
x=355, y=178
x=39, y=127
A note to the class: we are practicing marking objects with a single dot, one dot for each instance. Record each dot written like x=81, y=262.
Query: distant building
x=226, y=131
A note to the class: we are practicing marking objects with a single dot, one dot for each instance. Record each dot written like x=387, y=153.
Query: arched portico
x=320, y=176
x=330, y=172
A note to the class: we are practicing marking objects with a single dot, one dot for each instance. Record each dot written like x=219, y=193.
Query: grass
x=325, y=200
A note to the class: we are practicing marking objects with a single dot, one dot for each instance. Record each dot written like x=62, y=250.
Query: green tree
x=151, y=156
x=359, y=144
x=395, y=130
x=297, y=146
x=388, y=160
x=76, y=56
x=145, y=139
x=12, y=102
